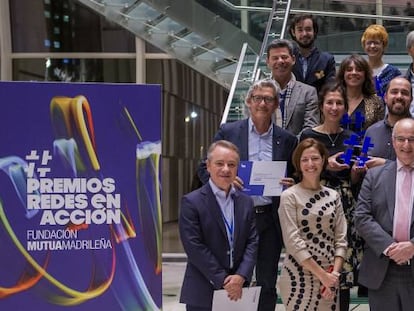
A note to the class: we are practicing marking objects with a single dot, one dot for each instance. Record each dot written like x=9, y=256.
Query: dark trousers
x=193, y=308
x=396, y=291
x=270, y=246
x=344, y=299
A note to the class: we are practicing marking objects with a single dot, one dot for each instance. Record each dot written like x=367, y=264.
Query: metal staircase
x=185, y=30
x=247, y=72
x=201, y=39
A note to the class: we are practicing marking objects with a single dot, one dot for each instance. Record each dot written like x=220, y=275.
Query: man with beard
x=298, y=102
x=398, y=99
x=313, y=66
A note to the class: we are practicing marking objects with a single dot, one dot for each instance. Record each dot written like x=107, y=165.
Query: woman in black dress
x=338, y=175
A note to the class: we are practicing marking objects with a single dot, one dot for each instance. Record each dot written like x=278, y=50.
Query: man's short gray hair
x=410, y=39
x=259, y=84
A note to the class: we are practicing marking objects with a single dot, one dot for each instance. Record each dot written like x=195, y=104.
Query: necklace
x=333, y=141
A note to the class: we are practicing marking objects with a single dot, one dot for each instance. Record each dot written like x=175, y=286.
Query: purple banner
x=80, y=214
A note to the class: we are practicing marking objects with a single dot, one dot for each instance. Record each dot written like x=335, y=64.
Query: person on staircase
x=374, y=41
x=313, y=66
x=298, y=102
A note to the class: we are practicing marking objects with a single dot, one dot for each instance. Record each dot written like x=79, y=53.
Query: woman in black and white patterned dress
x=339, y=176
x=314, y=233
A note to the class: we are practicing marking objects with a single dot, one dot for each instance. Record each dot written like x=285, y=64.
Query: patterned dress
x=371, y=109
x=313, y=226
x=341, y=182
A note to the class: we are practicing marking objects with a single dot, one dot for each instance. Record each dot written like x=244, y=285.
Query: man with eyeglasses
x=384, y=219
x=398, y=97
x=312, y=66
x=259, y=139
x=298, y=102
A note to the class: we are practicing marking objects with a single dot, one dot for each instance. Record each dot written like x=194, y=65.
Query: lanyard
x=230, y=234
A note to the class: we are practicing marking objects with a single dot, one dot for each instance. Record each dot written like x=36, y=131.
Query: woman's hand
x=334, y=165
x=330, y=284
x=358, y=172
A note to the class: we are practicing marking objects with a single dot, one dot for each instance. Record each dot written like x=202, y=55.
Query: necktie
x=403, y=221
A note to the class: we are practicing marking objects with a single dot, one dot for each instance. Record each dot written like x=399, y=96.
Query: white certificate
x=248, y=302
x=262, y=177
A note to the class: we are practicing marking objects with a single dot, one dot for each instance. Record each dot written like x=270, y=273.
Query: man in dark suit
x=298, y=102
x=384, y=220
x=258, y=139
x=312, y=66
x=217, y=229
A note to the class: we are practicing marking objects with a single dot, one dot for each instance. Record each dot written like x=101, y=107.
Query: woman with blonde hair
x=374, y=41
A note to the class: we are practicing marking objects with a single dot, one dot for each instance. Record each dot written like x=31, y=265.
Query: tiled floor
x=173, y=269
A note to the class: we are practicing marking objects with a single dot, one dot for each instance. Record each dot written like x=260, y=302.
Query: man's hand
x=401, y=252
x=287, y=181
x=238, y=183
x=233, y=284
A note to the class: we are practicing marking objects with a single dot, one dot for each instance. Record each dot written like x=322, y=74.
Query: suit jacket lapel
x=214, y=208
x=313, y=65
x=390, y=173
x=238, y=217
x=244, y=140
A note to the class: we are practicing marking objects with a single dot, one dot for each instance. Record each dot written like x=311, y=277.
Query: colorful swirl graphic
x=115, y=268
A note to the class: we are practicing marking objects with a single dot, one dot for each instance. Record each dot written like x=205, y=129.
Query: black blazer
x=321, y=68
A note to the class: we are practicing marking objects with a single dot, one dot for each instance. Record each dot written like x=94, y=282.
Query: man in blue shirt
x=217, y=229
x=259, y=139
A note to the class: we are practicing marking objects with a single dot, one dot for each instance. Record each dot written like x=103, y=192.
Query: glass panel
x=169, y=25
x=337, y=34
x=256, y=21
x=143, y=12
x=75, y=70
x=64, y=26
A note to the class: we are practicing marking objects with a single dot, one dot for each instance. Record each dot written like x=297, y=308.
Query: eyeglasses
x=257, y=99
x=373, y=42
x=402, y=139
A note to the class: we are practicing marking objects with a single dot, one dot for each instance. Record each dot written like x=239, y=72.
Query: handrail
x=245, y=7
x=267, y=31
x=285, y=19
x=268, y=28
x=318, y=13
x=234, y=83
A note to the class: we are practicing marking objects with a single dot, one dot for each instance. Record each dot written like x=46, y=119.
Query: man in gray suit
x=385, y=207
x=298, y=102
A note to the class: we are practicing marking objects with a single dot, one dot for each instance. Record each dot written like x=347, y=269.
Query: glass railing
x=343, y=21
